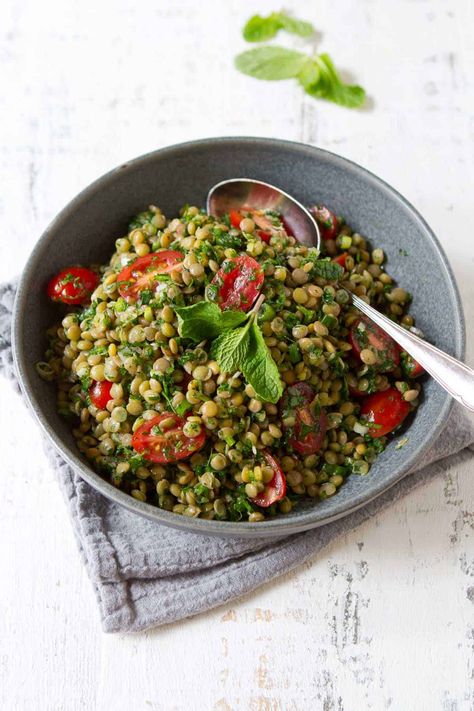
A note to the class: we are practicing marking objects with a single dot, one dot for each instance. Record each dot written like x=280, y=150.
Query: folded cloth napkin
x=145, y=574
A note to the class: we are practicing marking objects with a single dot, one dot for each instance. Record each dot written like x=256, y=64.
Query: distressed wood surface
x=385, y=618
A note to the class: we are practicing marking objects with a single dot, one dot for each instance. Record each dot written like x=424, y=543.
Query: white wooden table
x=390, y=622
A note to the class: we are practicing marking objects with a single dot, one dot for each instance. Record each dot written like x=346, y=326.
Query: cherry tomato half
x=142, y=274
x=239, y=281
x=365, y=333
x=410, y=366
x=73, y=285
x=341, y=259
x=162, y=439
x=265, y=236
x=99, y=393
x=276, y=487
x=386, y=410
x=306, y=436
x=236, y=218
x=327, y=221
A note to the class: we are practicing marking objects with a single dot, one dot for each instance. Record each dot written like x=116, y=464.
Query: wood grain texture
x=386, y=618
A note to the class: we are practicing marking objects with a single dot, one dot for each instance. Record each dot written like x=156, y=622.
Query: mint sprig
x=316, y=73
x=237, y=344
x=262, y=29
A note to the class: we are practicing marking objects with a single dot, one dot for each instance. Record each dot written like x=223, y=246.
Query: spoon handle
x=454, y=376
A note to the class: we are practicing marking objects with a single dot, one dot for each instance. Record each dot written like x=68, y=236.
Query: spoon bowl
x=245, y=193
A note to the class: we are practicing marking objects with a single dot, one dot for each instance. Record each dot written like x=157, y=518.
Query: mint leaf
x=327, y=269
x=295, y=26
x=259, y=368
x=271, y=63
x=261, y=29
x=206, y=320
x=320, y=79
x=230, y=349
x=309, y=75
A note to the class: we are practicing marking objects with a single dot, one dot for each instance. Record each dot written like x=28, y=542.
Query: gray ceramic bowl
x=85, y=232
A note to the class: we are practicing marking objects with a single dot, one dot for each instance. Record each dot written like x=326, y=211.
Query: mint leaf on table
x=206, y=320
x=320, y=79
x=259, y=368
x=271, y=63
x=261, y=29
x=295, y=26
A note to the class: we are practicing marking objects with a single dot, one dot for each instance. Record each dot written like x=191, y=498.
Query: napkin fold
x=145, y=574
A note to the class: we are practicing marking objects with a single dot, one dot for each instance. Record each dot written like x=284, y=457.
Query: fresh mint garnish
x=237, y=344
x=259, y=368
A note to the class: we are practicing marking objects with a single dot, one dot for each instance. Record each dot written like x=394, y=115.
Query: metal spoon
x=241, y=193
x=455, y=377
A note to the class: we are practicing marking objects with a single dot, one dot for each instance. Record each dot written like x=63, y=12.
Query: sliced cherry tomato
x=236, y=218
x=265, y=236
x=364, y=333
x=410, y=367
x=239, y=281
x=341, y=259
x=99, y=393
x=168, y=443
x=73, y=285
x=142, y=274
x=327, y=221
x=276, y=487
x=386, y=410
x=308, y=432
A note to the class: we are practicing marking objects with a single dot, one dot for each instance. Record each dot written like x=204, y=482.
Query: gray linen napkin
x=145, y=574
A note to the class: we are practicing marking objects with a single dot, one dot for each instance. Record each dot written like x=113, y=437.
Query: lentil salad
x=167, y=416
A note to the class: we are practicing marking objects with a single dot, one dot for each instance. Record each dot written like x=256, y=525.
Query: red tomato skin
x=341, y=259
x=236, y=218
x=303, y=395
x=99, y=393
x=138, y=275
x=144, y=442
x=410, y=366
x=264, y=236
x=379, y=340
x=276, y=488
x=72, y=285
x=387, y=409
x=327, y=221
x=240, y=286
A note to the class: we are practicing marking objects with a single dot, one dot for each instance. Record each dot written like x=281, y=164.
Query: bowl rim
x=279, y=526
